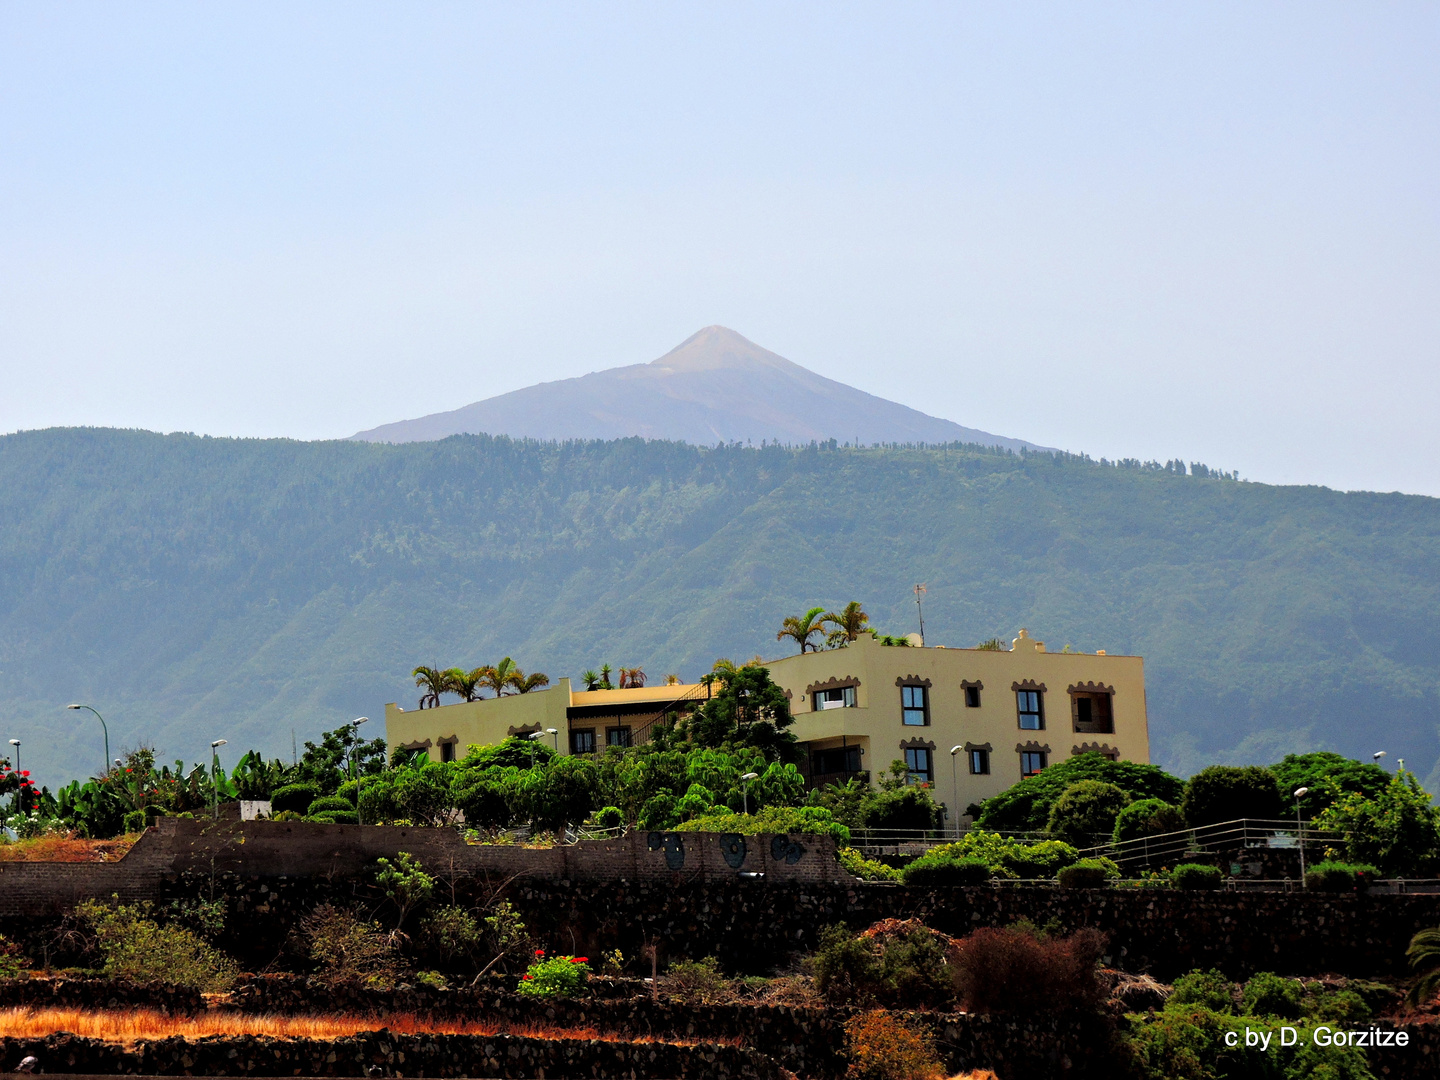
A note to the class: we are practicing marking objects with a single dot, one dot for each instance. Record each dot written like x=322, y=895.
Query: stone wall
x=99, y=994
x=384, y=1054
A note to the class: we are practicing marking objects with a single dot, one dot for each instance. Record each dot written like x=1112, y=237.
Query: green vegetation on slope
x=195, y=588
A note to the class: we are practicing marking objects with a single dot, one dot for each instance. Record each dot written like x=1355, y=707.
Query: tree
x=1327, y=775
x=803, y=627
x=523, y=683
x=1424, y=957
x=466, y=683
x=632, y=678
x=1230, y=792
x=433, y=682
x=498, y=677
x=591, y=679
x=1085, y=809
x=1398, y=831
x=849, y=623
x=749, y=710
x=1147, y=817
x=605, y=677
x=1025, y=807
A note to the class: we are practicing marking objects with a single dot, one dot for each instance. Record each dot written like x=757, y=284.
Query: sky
x=1155, y=231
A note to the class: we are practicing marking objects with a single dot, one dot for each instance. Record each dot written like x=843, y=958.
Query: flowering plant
x=555, y=976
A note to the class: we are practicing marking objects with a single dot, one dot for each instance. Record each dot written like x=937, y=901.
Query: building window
x=972, y=697
x=914, y=706
x=1028, y=704
x=842, y=697
x=447, y=751
x=918, y=761
x=1031, y=762
x=1093, y=715
x=582, y=741
x=980, y=762
x=837, y=759
x=617, y=736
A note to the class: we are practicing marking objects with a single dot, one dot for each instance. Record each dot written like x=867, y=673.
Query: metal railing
x=1225, y=837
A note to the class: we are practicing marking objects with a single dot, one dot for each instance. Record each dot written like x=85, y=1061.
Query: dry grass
x=132, y=1025
x=67, y=849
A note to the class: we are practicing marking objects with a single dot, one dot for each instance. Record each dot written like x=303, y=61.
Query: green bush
x=904, y=968
x=554, y=976
x=930, y=870
x=296, y=798
x=1339, y=877
x=784, y=820
x=1085, y=811
x=1042, y=860
x=658, y=812
x=611, y=817
x=696, y=980
x=134, y=821
x=1339, y=1006
x=865, y=869
x=1228, y=792
x=1147, y=817
x=336, y=817
x=1026, y=805
x=846, y=967
x=138, y=948
x=1195, y=876
x=1267, y=994
x=909, y=807
x=1208, y=989
x=326, y=803
x=12, y=960
x=348, y=950
x=1088, y=874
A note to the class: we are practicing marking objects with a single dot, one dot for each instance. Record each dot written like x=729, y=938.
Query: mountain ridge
x=716, y=386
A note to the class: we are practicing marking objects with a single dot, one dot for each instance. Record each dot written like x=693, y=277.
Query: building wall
x=484, y=722
x=875, y=721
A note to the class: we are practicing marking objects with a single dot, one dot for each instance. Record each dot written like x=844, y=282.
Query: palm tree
x=849, y=624
x=591, y=679
x=673, y=679
x=605, y=677
x=803, y=627
x=523, y=683
x=498, y=676
x=1424, y=957
x=466, y=683
x=434, y=682
x=632, y=678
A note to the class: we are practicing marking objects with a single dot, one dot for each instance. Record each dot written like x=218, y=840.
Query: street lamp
x=1300, y=828
x=532, y=737
x=354, y=768
x=215, y=779
x=745, y=789
x=103, y=728
x=1375, y=757
x=555, y=734
x=955, y=787
x=16, y=743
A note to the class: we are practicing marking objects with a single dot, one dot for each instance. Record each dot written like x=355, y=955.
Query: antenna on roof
x=919, y=592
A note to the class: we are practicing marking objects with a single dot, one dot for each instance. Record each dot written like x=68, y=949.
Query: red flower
x=578, y=959
x=524, y=978
x=539, y=952
x=24, y=772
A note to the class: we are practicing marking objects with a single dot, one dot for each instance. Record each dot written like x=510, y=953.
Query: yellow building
x=971, y=722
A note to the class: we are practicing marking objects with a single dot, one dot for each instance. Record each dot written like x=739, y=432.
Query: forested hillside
x=197, y=588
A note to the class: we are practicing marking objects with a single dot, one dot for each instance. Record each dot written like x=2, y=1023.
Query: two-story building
x=971, y=722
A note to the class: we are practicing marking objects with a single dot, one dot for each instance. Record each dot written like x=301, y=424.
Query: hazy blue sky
x=1206, y=231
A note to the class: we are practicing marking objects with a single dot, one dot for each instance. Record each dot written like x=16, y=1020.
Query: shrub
x=914, y=968
x=846, y=967
x=433, y=979
x=1339, y=877
x=1086, y=809
x=134, y=821
x=405, y=882
x=697, y=980
x=349, y=950
x=1342, y=1006
x=296, y=798
x=1088, y=874
x=1268, y=994
x=554, y=976
x=931, y=869
x=610, y=817
x=326, y=803
x=1195, y=876
x=12, y=962
x=336, y=817
x=865, y=869
x=451, y=933
x=1227, y=792
x=658, y=812
x=1042, y=860
x=1015, y=969
x=1147, y=817
x=1208, y=989
x=909, y=807
x=814, y=820
x=881, y=1046
x=138, y=948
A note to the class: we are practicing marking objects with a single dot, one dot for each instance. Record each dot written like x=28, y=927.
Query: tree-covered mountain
x=197, y=588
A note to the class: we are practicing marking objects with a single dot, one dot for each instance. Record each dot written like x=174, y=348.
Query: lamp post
x=354, y=766
x=745, y=789
x=103, y=728
x=955, y=786
x=1375, y=757
x=1300, y=828
x=532, y=737
x=554, y=733
x=919, y=592
x=16, y=743
x=214, y=778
